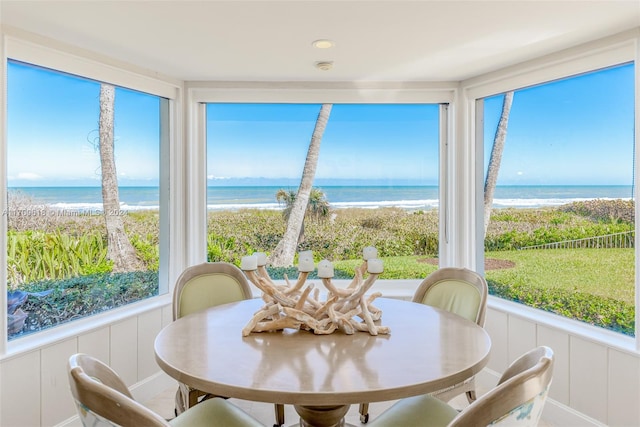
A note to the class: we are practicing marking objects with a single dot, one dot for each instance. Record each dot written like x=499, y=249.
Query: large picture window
x=83, y=197
x=376, y=183
x=561, y=231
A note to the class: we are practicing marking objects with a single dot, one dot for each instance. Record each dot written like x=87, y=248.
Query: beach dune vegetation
x=592, y=285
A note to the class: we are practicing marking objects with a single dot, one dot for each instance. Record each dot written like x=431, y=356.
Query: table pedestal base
x=322, y=416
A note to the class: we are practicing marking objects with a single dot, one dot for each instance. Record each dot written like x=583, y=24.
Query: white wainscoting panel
x=34, y=385
x=149, y=325
x=588, y=377
x=624, y=389
x=20, y=383
x=56, y=397
x=595, y=382
x=124, y=350
x=521, y=336
x=496, y=325
x=559, y=341
x=167, y=315
x=96, y=343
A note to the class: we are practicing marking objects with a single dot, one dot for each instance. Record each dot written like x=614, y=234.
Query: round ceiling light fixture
x=324, y=65
x=323, y=44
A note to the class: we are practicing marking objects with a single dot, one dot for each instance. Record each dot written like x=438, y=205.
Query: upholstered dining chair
x=199, y=287
x=517, y=400
x=103, y=399
x=460, y=291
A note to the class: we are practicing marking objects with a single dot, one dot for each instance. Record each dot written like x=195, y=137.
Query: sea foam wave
x=97, y=207
x=402, y=204
x=536, y=203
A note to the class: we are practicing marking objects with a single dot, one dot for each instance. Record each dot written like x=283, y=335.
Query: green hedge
x=84, y=296
x=608, y=313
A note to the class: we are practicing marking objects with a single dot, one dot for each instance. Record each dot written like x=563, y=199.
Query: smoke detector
x=324, y=65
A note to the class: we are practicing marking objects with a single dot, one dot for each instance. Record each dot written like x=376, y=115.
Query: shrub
x=603, y=210
x=393, y=231
x=516, y=228
x=77, y=297
x=37, y=255
x=593, y=309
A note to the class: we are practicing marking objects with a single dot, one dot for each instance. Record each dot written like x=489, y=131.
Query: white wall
x=596, y=376
x=34, y=387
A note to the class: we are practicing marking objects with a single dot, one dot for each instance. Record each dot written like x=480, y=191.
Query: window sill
x=571, y=327
x=78, y=327
x=402, y=289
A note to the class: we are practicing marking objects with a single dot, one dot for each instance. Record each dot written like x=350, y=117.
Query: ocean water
x=367, y=197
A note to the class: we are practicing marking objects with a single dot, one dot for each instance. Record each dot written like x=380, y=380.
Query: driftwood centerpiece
x=298, y=305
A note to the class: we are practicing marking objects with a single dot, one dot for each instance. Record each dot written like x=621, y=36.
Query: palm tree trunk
x=496, y=158
x=284, y=253
x=119, y=249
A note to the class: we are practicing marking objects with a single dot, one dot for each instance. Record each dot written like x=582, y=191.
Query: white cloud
x=29, y=176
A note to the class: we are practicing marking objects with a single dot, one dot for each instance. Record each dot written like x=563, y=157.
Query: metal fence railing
x=616, y=240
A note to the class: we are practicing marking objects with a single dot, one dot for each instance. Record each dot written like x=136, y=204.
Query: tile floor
x=163, y=404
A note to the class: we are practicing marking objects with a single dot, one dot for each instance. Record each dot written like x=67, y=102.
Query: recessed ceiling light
x=323, y=44
x=324, y=65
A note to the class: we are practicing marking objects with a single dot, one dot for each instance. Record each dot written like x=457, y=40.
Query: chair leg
x=193, y=398
x=279, y=415
x=364, y=413
x=179, y=401
x=471, y=396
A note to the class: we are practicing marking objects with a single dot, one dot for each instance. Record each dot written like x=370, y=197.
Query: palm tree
x=119, y=248
x=286, y=197
x=318, y=207
x=284, y=253
x=496, y=157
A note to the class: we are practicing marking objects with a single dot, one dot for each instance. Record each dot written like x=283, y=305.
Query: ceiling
x=272, y=40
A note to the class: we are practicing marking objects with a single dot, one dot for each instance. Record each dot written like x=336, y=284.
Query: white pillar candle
x=374, y=265
x=369, y=252
x=325, y=269
x=305, y=253
x=262, y=258
x=305, y=262
x=249, y=263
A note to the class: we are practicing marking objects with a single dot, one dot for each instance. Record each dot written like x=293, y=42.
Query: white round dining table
x=427, y=350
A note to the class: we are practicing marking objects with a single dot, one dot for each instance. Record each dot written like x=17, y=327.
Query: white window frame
x=201, y=93
x=36, y=50
x=615, y=50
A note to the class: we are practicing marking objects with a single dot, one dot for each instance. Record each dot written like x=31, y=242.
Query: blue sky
x=387, y=144
x=574, y=131
x=53, y=121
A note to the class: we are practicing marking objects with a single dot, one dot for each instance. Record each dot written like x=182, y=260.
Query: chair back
x=208, y=284
x=457, y=290
x=519, y=397
x=103, y=399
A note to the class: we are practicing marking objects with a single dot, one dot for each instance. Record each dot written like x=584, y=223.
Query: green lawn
x=595, y=286
x=602, y=272
x=607, y=273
